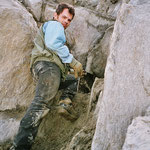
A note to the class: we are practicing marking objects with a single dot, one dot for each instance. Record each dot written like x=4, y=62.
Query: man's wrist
x=73, y=62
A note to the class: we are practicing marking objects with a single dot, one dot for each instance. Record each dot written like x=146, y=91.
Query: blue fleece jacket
x=55, y=40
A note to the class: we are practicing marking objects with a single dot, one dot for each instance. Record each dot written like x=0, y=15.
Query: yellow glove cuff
x=73, y=63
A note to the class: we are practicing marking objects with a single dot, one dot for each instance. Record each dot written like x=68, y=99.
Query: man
x=50, y=62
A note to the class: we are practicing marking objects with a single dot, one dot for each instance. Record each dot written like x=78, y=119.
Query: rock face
x=16, y=40
x=127, y=77
x=138, y=134
x=8, y=126
x=106, y=9
x=35, y=7
x=18, y=29
x=97, y=57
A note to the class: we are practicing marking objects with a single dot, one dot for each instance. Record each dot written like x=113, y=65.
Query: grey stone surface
x=138, y=134
x=16, y=41
x=35, y=7
x=8, y=127
x=127, y=77
x=97, y=58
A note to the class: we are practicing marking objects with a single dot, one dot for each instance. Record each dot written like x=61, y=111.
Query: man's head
x=64, y=14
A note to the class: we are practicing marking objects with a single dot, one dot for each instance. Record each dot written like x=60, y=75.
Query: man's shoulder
x=53, y=23
x=53, y=26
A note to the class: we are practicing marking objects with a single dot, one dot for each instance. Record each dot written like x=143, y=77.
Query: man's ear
x=55, y=16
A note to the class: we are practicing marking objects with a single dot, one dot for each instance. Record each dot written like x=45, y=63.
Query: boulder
x=35, y=7
x=8, y=126
x=97, y=58
x=82, y=139
x=127, y=77
x=107, y=9
x=138, y=134
x=91, y=4
x=17, y=30
x=97, y=88
x=66, y=1
x=48, y=12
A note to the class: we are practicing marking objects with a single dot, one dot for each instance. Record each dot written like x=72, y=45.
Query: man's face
x=64, y=18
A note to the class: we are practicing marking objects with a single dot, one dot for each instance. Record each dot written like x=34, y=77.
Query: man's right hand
x=77, y=67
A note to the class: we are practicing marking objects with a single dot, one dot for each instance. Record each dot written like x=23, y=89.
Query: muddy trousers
x=48, y=83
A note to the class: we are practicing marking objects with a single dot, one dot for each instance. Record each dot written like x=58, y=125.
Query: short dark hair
x=62, y=6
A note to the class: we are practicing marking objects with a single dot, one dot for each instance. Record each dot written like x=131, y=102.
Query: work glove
x=77, y=67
